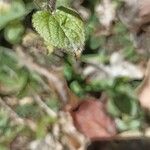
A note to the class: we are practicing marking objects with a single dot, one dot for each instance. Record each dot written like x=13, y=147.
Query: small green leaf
x=16, y=10
x=13, y=32
x=63, y=28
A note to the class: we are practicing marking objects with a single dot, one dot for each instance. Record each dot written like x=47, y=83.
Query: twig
x=41, y=104
x=52, y=5
x=99, y=67
x=58, y=83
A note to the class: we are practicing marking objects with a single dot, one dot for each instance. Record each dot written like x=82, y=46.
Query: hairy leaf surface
x=63, y=29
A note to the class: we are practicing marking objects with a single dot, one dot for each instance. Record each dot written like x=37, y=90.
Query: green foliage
x=15, y=10
x=53, y=103
x=63, y=28
x=43, y=125
x=28, y=111
x=13, y=33
x=3, y=147
x=4, y=121
x=7, y=129
x=65, y=3
x=12, y=78
x=12, y=15
x=128, y=123
x=75, y=80
x=15, y=79
x=122, y=104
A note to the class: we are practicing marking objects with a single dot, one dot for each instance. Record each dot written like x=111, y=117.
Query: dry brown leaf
x=144, y=12
x=135, y=15
x=129, y=14
x=144, y=89
x=91, y=119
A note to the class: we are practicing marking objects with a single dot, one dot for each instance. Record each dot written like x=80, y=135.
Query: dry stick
x=69, y=100
x=41, y=104
x=15, y=117
x=99, y=67
x=58, y=83
x=52, y=5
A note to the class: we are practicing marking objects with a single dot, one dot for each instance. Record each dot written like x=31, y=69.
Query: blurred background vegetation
x=95, y=74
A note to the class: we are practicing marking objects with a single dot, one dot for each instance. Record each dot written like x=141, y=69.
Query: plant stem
x=52, y=5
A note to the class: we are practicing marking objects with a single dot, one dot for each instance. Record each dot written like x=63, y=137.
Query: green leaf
x=112, y=109
x=127, y=124
x=13, y=32
x=63, y=28
x=15, y=11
